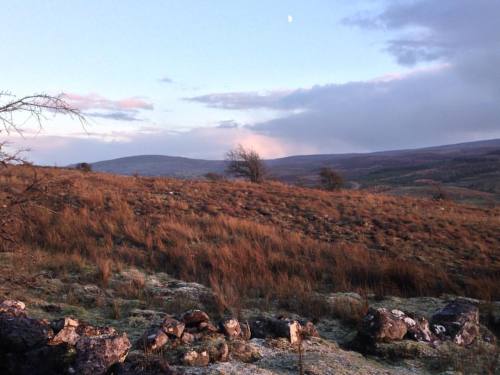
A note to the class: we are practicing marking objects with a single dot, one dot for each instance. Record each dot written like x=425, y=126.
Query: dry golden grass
x=269, y=241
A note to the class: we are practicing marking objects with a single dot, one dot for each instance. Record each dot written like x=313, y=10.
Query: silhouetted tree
x=245, y=163
x=330, y=180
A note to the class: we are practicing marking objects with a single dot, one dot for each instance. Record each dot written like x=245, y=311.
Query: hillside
x=303, y=238
x=469, y=172
x=131, y=251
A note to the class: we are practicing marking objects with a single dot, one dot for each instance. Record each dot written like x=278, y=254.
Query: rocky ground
x=166, y=326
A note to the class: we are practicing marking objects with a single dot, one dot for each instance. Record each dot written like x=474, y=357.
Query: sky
x=195, y=78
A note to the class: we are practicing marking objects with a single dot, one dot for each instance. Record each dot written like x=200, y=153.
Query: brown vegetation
x=268, y=241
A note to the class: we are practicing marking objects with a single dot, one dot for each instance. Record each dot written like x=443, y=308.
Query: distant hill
x=470, y=171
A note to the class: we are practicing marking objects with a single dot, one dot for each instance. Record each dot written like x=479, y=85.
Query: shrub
x=84, y=167
x=330, y=180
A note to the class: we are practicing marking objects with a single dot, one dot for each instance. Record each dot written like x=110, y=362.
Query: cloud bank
x=455, y=99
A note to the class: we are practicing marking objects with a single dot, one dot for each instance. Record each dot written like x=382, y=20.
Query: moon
x=290, y=19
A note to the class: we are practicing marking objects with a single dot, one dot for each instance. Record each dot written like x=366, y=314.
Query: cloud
x=228, y=124
x=95, y=101
x=166, y=80
x=433, y=30
x=240, y=100
x=94, y=105
x=207, y=143
x=128, y=116
x=454, y=97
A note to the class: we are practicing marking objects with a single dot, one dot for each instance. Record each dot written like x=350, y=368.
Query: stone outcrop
x=382, y=325
x=458, y=321
x=193, y=340
x=32, y=346
x=263, y=327
x=96, y=354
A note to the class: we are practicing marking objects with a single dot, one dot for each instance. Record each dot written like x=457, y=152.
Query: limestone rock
x=231, y=328
x=193, y=318
x=382, y=325
x=194, y=358
x=153, y=339
x=173, y=327
x=95, y=355
x=457, y=321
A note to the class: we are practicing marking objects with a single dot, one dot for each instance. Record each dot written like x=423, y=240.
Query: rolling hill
x=468, y=171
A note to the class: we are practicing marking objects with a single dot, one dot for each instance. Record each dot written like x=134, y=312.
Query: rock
x=20, y=333
x=193, y=358
x=382, y=325
x=173, y=327
x=223, y=352
x=457, y=321
x=143, y=364
x=193, y=318
x=269, y=327
x=187, y=338
x=246, y=333
x=418, y=330
x=12, y=307
x=84, y=329
x=95, y=355
x=65, y=329
x=207, y=326
x=231, y=328
x=244, y=352
x=308, y=329
x=153, y=339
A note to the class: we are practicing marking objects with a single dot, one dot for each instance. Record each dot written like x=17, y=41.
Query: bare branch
x=35, y=107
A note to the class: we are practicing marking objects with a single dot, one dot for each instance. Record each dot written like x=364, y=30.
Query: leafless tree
x=330, y=180
x=245, y=163
x=34, y=107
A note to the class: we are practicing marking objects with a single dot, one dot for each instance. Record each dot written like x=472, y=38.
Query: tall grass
x=306, y=241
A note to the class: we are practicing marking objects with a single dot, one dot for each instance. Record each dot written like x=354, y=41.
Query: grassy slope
x=244, y=240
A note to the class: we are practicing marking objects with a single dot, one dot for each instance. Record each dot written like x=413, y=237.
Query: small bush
x=330, y=180
x=84, y=167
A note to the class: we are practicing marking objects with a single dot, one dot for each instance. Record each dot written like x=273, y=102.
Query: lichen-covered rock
x=65, y=331
x=187, y=338
x=263, y=327
x=153, y=339
x=12, y=307
x=457, y=321
x=95, y=355
x=194, y=358
x=382, y=325
x=173, y=327
x=193, y=318
x=231, y=328
x=419, y=329
x=244, y=351
x=308, y=329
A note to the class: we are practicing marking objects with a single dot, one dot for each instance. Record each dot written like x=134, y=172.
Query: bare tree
x=245, y=163
x=330, y=180
x=35, y=107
